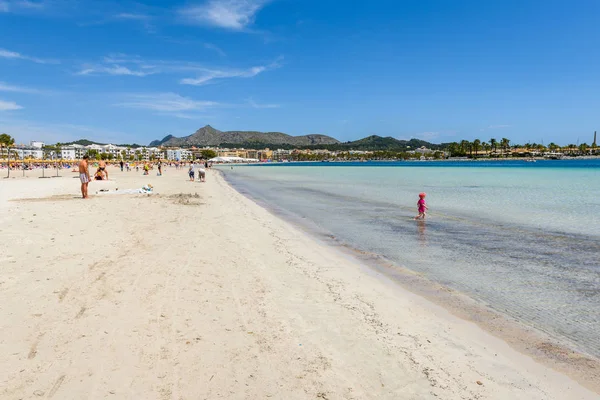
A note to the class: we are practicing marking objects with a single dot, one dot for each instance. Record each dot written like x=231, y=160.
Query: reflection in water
x=422, y=230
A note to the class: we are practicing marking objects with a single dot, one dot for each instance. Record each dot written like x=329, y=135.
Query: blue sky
x=125, y=71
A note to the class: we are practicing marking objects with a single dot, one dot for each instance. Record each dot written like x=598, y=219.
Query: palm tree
x=476, y=146
x=505, y=144
x=6, y=141
x=464, y=145
x=583, y=147
x=486, y=147
x=58, y=146
x=493, y=143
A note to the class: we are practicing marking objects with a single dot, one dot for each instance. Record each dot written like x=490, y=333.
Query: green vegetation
x=86, y=142
x=375, y=156
x=6, y=141
x=370, y=143
x=208, y=154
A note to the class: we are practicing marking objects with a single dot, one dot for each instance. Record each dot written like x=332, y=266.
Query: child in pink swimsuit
x=422, y=206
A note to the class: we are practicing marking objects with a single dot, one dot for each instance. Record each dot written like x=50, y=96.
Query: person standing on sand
x=159, y=167
x=191, y=172
x=121, y=163
x=102, y=167
x=84, y=175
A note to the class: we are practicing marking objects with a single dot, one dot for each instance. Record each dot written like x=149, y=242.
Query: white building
x=68, y=153
x=37, y=144
x=178, y=154
x=280, y=154
x=24, y=152
x=422, y=150
x=112, y=149
x=174, y=155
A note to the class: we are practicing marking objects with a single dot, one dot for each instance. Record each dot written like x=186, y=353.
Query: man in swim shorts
x=84, y=176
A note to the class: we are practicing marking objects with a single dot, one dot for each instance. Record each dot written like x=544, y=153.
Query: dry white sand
x=177, y=297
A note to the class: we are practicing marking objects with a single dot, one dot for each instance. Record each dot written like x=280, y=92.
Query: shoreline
x=198, y=291
x=557, y=353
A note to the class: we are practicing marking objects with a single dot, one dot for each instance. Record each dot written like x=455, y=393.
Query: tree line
x=503, y=147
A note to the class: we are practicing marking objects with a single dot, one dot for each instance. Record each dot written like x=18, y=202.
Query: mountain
x=209, y=136
x=375, y=142
x=378, y=143
x=86, y=142
x=156, y=143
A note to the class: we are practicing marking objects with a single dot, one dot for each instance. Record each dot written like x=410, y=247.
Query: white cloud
x=37, y=5
x=228, y=14
x=9, y=106
x=166, y=102
x=254, y=104
x=18, y=56
x=120, y=58
x=20, y=5
x=144, y=19
x=123, y=64
x=211, y=46
x=4, y=87
x=133, y=16
x=208, y=75
x=9, y=54
x=114, y=70
x=188, y=116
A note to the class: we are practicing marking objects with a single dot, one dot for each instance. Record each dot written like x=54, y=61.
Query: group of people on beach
x=102, y=172
x=202, y=167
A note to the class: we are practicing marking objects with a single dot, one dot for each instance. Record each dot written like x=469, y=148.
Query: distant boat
x=554, y=156
x=530, y=160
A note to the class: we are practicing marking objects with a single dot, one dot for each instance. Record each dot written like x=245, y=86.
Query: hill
x=209, y=136
x=86, y=142
x=156, y=143
x=375, y=142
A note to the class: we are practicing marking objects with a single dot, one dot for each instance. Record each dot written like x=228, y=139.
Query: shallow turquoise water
x=522, y=238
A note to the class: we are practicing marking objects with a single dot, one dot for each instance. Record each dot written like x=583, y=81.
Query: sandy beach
x=196, y=292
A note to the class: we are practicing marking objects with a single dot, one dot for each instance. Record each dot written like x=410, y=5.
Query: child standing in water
x=422, y=206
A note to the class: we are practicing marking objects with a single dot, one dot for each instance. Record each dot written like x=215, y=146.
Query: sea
x=522, y=238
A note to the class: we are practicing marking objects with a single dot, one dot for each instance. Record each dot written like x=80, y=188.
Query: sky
x=440, y=70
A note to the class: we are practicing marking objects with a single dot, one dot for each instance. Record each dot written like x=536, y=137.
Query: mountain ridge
x=209, y=136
